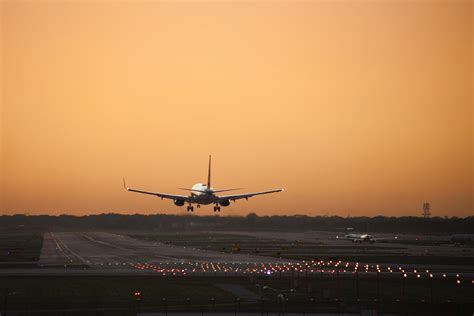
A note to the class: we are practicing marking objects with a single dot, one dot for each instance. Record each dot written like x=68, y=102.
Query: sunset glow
x=354, y=107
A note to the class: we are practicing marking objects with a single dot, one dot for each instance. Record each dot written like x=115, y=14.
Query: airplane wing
x=246, y=195
x=350, y=238
x=158, y=194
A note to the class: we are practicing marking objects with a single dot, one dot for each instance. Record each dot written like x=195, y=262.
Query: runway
x=106, y=251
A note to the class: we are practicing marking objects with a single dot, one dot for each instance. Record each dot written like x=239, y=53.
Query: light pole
x=338, y=283
x=5, y=302
x=165, y=306
x=138, y=298
x=188, y=303
x=280, y=297
x=261, y=295
x=213, y=302
x=404, y=276
x=378, y=286
x=237, y=307
x=431, y=288
x=321, y=282
x=357, y=284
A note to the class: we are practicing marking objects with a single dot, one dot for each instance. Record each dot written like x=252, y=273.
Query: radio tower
x=426, y=210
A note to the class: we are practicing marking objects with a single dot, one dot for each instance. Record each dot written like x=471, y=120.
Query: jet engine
x=224, y=203
x=179, y=202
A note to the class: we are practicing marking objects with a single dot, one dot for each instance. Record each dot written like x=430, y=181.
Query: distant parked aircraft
x=203, y=194
x=360, y=238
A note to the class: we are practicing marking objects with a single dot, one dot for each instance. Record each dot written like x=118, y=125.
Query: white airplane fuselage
x=201, y=194
x=360, y=238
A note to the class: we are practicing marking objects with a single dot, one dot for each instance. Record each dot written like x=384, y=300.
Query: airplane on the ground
x=360, y=238
x=203, y=194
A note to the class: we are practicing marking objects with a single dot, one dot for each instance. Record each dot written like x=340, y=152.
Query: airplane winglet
x=124, y=185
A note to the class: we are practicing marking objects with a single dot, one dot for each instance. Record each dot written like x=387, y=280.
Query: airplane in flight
x=360, y=238
x=203, y=194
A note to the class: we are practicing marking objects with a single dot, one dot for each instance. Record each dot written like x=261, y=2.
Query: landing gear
x=190, y=208
x=217, y=208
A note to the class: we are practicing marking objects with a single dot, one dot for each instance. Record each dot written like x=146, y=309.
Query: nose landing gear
x=217, y=208
x=190, y=208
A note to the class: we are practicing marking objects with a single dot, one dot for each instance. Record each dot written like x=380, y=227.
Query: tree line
x=251, y=222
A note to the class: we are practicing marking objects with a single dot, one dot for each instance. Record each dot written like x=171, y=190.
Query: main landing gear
x=217, y=208
x=191, y=207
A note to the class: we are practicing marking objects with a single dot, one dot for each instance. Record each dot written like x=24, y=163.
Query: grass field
x=114, y=295
x=20, y=247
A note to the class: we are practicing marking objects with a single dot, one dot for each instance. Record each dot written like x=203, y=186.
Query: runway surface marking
x=98, y=249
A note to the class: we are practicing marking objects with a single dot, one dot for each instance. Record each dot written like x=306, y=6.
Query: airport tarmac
x=101, y=253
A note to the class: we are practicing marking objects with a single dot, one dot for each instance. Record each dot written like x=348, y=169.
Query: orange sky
x=354, y=107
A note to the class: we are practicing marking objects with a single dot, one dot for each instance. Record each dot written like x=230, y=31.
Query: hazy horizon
x=229, y=214
x=360, y=108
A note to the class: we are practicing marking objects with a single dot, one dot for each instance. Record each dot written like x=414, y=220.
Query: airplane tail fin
x=209, y=174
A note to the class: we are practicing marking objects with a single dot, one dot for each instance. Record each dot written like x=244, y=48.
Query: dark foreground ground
x=106, y=295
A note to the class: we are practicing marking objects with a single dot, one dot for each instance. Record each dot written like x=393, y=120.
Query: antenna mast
x=426, y=210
